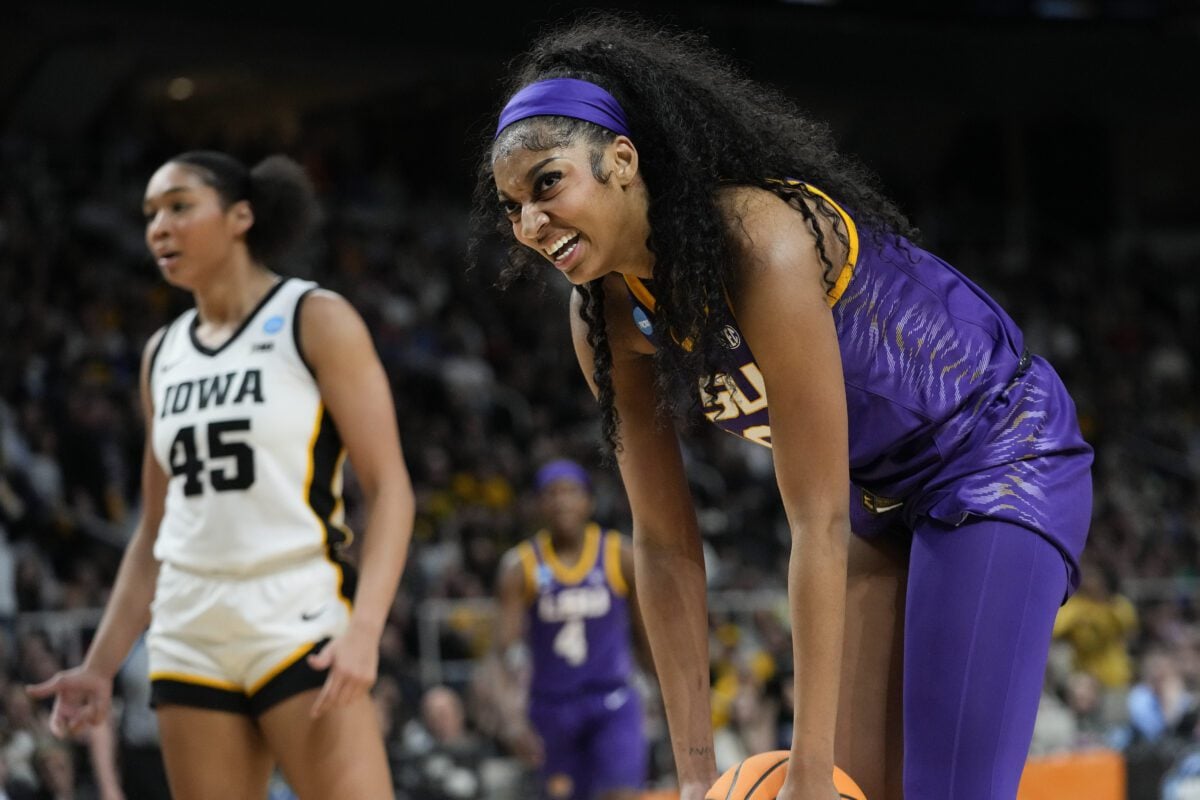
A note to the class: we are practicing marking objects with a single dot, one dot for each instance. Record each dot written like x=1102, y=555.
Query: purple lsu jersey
x=948, y=414
x=579, y=630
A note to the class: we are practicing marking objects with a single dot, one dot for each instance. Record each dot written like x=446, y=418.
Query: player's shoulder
x=155, y=341
x=759, y=221
x=325, y=316
x=154, y=344
x=318, y=300
x=515, y=556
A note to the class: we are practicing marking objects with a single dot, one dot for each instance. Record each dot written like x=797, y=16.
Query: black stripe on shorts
x=165, y=691
x=296, y=678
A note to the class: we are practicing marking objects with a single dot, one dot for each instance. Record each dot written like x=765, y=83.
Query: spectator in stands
x=1099, y=623
x=441, y=758
x=11, y=788
x=1161, y=706
x=55, y=770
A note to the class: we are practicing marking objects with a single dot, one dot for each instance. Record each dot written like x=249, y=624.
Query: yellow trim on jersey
x=612, y=564
x=291, y=658
x=587, y=556
x=197, y=680
x=529, y=568
x=847, y=272
x=308, y=479
x=338, y=517
x=639, y=291
x=843, y=279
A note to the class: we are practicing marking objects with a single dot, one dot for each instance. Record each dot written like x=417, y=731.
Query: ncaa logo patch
x=543, y=577
x=732, y=338
x=273, y=325
x=642, y=321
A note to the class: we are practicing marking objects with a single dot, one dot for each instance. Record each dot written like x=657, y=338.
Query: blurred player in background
x=262, y=646
x=714, y=234
x=568, y=612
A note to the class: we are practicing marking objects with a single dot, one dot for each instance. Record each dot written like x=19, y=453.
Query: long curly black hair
x=698, y=123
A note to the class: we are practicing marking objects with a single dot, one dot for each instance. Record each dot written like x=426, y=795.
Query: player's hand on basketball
x=352, y=660
x=82, y=698
x=813, y=789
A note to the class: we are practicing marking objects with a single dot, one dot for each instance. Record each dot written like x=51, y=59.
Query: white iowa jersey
x=253, y=458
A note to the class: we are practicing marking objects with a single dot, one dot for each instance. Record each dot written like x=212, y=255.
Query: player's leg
x=212, y=753
x=294, y=612
x=981, y=603
x=210, y=744
x=617, y=750
x=339, y=754
x=563, y=774
x=869, y=739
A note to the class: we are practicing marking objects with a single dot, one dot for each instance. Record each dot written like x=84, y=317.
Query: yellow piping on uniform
x=847, y=271
x=292, y=658
x=640, y=291
x=198, y=680
x=587, y=557
x=308, y=479
x=612, y=564
x=338, y=517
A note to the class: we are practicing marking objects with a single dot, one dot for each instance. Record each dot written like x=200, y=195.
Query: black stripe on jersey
x=296, y=330
x=164, y=691
x=296, y=678
x=209, y=351
x=165, y=331
x=327, y=451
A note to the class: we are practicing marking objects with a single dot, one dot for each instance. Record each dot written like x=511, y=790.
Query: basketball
x=760, y=777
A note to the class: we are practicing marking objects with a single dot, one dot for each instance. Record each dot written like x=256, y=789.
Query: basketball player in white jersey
x=263, y=647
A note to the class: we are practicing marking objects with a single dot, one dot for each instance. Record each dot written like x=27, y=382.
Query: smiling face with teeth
x=580, y=205
x=191, y=235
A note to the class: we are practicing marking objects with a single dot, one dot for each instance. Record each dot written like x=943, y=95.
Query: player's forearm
x=817, y=601
x=127, y=614
x=671, y=589
x=391, y=509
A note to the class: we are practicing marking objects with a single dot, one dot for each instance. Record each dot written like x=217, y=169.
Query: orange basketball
x=760, y=777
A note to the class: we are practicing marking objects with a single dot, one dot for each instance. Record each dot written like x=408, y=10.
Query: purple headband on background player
x=565, y=97
x=562, y=469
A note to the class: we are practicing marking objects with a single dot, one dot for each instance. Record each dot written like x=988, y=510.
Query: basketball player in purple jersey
x=715, y=235
x=565, y=598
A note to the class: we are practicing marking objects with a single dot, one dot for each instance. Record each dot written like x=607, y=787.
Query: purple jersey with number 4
x=578, y=624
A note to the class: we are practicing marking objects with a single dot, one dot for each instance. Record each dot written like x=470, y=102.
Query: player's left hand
x=352, y=660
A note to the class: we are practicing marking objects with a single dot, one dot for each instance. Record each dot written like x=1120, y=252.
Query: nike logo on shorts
x=308, y=616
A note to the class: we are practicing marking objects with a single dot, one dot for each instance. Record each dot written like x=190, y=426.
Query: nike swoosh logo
x=172, y=365
x=308, y=616
x=887, y=508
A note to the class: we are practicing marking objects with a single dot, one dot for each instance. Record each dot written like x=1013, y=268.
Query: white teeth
x=562, y=240
x=566, y=253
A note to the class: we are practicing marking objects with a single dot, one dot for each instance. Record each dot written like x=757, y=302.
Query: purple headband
x=562, y=469
x=565, y=97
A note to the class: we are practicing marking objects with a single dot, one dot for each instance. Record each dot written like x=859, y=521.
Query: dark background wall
x=1087, y=108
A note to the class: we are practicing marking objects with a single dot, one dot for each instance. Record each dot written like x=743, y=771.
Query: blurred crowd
x=487, y=388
